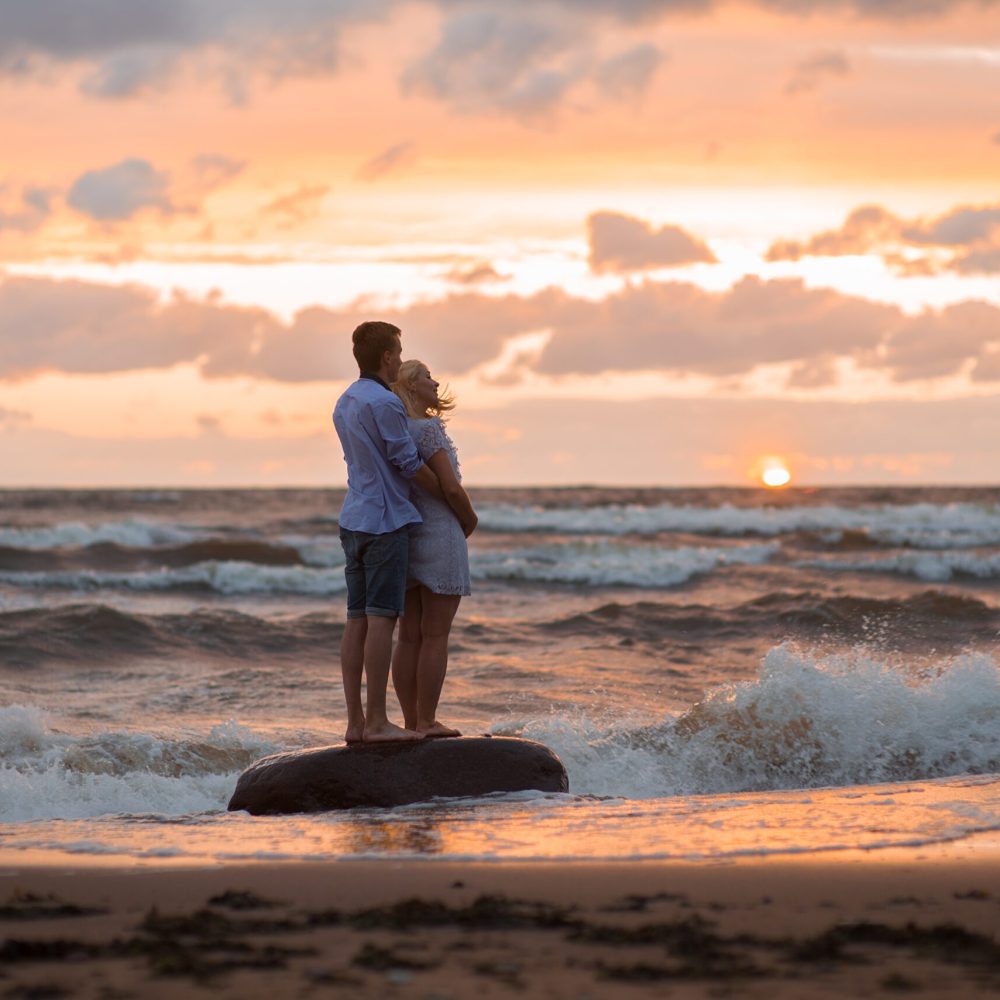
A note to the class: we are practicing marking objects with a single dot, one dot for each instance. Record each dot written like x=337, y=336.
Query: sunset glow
x=775, y=474
x=586, y=219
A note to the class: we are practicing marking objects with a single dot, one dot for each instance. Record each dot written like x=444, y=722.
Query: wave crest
x=45, y=774
x=805, y=722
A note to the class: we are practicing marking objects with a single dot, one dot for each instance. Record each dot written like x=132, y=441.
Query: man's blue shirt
x=381, y=458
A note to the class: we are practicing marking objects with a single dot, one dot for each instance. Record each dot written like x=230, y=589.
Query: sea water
x=722, y=672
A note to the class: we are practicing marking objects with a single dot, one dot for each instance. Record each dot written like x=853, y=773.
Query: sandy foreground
x=921, y=921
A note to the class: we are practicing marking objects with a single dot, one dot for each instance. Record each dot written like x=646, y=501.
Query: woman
x=439, y=557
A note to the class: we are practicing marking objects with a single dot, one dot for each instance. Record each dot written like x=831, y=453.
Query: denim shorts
x=376, y=572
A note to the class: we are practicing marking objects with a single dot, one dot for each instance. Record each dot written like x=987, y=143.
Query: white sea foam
x=614, y=563
x=807, y=721
x=922, y=525
x=129, y=534
x=592, y=563
x=320, y=551
x=45, y=774
x=223, y=577
x=934, y=567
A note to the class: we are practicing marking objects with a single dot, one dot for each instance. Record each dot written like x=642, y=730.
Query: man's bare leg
x=432, y=663
x=404, y=658
x=378, y=653
x=352, y=664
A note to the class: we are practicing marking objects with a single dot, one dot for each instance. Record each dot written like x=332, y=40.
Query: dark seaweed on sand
x=485, y=913
x=946, y=943
x=28, y=906
x=207, y=942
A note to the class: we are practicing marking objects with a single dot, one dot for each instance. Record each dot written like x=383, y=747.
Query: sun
x=774, y=473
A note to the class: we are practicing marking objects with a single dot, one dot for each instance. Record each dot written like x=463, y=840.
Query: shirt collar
x=375, y=378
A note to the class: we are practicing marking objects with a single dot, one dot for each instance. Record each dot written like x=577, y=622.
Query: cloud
x=213, y=169
x=866, y=227
x=31, y=210
x=299, y=205
x=637, y=11
x=971, y=234
x=131, y=46
x=121, y=191
x=680, y=327
x=628, y=74
x=128, y=73
x=118, y=192
x=13, y=418
x=935, y=344
x=623, y=243
x=985, y=261
x=402, y=154
x=811, y=72
x=814, y=373
x=492, y=60
x=209, y=423
x=964, y=226
x=480, y=273
x=73, y=326
x=523, y=61
x=121, y=49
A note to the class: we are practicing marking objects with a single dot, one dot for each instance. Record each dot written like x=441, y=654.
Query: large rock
x=395, y=774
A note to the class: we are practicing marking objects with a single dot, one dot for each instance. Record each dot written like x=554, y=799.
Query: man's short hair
x=371, y=340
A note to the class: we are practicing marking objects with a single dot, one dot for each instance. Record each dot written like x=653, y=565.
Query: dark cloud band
x=73, y=326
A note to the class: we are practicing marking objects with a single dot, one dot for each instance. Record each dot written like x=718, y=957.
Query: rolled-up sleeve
x=399, y=446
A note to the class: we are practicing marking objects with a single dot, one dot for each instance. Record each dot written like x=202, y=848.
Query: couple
x=405, y=547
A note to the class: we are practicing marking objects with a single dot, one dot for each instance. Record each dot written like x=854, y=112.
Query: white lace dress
x=439, y=553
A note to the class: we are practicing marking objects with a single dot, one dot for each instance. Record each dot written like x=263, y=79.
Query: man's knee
x=355, y=633
x=356, y=626
x=381, y=623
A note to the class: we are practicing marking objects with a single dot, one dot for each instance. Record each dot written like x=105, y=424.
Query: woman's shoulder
x=425, y=423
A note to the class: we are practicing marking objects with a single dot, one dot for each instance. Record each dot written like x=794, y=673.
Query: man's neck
x=376, y=377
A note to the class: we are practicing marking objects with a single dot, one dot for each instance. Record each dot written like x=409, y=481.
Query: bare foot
x=355, y=732
x=437, y=730
x=389, y=733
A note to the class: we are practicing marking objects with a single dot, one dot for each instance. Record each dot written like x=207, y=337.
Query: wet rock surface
x=393, y=774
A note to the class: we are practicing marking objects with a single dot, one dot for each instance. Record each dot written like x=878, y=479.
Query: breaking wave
x=45, y=774
x=933, y=567
x=920, y=525
x=805, y=722
x=614, y=564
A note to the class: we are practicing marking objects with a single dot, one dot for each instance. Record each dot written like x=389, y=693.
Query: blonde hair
x=403, y=387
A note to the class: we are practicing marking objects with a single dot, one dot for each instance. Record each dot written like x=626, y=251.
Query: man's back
x=381, y=458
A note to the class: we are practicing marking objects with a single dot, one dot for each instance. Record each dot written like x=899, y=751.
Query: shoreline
x=959, y=850
x=876, y=923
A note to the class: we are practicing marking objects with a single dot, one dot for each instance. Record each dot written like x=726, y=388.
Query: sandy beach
x=920, y=920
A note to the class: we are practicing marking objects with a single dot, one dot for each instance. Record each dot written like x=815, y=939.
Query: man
x=382, y=460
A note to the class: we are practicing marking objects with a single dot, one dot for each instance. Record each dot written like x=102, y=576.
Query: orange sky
x=644, y=228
